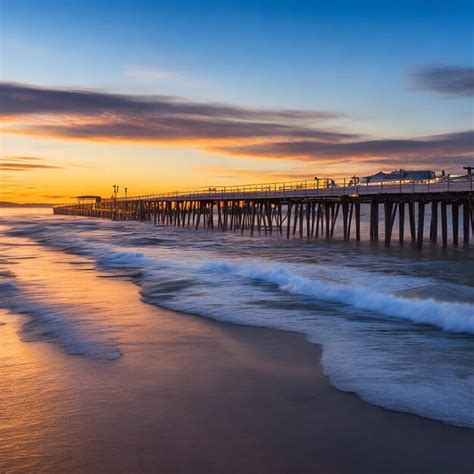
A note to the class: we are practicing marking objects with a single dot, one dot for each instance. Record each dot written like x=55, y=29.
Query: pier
x=309, y=209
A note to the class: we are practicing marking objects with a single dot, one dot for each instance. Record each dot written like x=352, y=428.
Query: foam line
x=451, y=317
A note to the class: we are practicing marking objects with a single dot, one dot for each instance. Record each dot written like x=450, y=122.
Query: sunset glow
x=155, y=114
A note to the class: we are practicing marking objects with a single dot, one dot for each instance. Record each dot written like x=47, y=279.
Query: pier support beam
x=444, y=224
x=345, y=219
x=288, y=220
x=434, y=222
x=466, y=221
x=357, y=218
x=401, y=222
x=388, y=220
x=421, y=224
x=328, y=219
x=411, y=213
x=374, y=221
x=455, y=222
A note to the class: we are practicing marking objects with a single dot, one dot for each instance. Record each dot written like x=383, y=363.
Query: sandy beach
x=93, y=379
x=199, y=396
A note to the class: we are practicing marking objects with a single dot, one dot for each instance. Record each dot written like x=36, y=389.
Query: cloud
x=20, y=99
x=23, y=158
x=180, y=129
x=278, y=134
x=455, y=143
x=55, y=196
x=24, y=163
x=23, y=166
x=453, y=81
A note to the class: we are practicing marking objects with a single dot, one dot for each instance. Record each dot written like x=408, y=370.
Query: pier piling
x=305, y=209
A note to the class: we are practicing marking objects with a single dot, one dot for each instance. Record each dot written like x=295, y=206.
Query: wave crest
x=452, y=317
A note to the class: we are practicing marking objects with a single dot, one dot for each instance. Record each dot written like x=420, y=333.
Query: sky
x=163, y=95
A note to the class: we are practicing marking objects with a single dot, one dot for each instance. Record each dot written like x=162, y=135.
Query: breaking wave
x=55, y=323
x=452, y=317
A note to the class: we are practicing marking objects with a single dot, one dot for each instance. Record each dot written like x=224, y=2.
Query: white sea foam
x=453, y=317
x=120, y=259
x=56, y=323
x=448, y=316
x=67, y=324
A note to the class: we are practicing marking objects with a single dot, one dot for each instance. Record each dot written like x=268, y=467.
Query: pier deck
x=307, y=209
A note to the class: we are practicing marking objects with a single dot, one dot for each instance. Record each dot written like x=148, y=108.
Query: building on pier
x=400, y=175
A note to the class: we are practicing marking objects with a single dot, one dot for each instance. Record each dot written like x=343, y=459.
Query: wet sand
x=199, y=396
x=189, y=395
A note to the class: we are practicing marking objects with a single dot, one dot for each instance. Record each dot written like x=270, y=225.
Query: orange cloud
x=290, y=135
x=24, y=163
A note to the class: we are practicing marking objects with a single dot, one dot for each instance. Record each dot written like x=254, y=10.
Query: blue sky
x=353, y=58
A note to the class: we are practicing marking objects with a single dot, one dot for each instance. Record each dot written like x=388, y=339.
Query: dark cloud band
x=227, y=129
x=449, y=80
x=462, y=142
x=24, y=163
x=20, y=99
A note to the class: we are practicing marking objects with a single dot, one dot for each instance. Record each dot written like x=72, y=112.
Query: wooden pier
x=307, y=209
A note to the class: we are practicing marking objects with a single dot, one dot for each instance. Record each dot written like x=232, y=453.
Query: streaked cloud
x=459, y=145
x=55, y=196
x=453, y=81
x=178, y=130
x=278, y=134
x=23, y=158
x=24, y=163
x=20, y=99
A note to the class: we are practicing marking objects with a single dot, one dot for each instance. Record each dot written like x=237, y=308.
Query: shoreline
x=257, y=400
x=190, y=394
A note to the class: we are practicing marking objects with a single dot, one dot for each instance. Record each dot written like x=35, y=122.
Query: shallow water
x=396, y=325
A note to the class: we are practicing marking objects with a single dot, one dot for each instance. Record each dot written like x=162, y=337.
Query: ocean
x=396, y=325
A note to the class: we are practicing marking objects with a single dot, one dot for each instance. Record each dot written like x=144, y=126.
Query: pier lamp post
x=355, y=183
x=126, y=192
x=116, y=188
x=317, y=182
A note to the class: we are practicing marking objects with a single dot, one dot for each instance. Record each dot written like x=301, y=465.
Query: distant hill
x=32, y=204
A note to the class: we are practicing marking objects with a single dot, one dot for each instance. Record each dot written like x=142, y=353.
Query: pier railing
x=327, y=187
